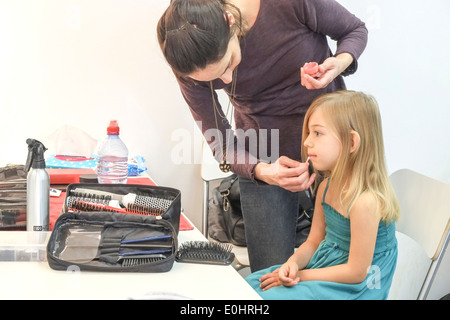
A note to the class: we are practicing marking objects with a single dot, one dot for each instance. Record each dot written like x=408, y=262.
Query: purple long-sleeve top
x=268, y=94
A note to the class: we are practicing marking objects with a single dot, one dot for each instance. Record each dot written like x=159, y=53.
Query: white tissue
x=71, y=141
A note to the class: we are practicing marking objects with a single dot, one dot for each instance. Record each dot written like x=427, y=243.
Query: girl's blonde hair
x=364, y=169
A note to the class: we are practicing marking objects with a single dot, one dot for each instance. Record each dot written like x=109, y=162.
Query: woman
x=254, y=50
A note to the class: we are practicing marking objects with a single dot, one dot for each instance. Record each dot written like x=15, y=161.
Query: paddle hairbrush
x=205, y=252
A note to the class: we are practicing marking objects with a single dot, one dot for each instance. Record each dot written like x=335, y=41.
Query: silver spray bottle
x=38, y=188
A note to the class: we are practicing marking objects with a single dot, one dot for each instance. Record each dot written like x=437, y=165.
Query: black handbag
x=13, y=198
x=225, y=220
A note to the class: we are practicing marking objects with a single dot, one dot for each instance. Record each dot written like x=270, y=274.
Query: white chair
x=422, y=233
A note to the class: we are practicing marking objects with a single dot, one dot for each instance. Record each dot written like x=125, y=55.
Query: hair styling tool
x=85, y=244
x=130, y=198
x=131, y=261
x=135, y=251
x=205, y=252
x=79, y=205
x=100, y=199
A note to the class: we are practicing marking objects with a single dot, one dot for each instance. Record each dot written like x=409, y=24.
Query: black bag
x=90, y=237
x=13, y=198
x=225, y=220
x=111, y=241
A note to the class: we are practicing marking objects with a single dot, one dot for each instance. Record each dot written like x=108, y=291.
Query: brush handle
x=124, y=200
x=114, y=196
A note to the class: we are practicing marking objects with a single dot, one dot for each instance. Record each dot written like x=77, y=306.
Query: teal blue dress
x=334, y=250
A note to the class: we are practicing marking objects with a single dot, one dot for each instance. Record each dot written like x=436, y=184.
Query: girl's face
x=323, y=146
x=223, y=69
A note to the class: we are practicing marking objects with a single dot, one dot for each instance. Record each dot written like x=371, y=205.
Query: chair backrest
x=425, y=209
x=421, y=230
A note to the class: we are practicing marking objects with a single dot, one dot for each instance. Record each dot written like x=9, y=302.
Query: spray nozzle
x=35, y=155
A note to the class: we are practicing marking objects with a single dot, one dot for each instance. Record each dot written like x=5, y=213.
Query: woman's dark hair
x=195, y=33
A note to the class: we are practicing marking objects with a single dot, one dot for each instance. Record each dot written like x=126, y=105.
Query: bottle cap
x=113, y=128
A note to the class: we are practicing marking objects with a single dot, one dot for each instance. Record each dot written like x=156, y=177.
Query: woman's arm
x=350, y=33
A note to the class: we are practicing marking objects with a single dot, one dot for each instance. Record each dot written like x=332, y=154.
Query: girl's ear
x=231, y=19
x=356, y=140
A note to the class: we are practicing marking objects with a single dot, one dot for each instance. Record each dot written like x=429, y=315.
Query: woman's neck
x=249, y=10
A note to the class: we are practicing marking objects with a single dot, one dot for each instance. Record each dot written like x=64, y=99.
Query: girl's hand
x=269, y=280
x=286, y=173
x=288, y=274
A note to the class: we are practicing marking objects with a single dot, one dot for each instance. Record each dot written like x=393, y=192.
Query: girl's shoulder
x=321, y=189
x=367, y=204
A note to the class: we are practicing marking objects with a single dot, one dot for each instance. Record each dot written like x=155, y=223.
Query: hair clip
x=183, y=27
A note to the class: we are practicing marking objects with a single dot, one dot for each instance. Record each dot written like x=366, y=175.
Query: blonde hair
x=364, y=169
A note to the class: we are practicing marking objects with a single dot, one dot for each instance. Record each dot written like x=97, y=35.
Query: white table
x=36, y=280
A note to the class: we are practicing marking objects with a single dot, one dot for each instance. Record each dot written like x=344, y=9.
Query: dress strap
x=326, y=189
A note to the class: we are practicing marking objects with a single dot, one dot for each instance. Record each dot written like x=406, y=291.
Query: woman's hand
x=286, y=173
x=328, y=71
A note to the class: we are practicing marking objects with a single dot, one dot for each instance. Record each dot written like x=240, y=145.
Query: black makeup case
x=100, y=230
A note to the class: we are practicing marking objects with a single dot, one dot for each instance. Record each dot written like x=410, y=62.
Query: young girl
x=351, y=251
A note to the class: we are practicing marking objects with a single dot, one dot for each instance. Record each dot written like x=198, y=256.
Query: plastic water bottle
x=112, y=165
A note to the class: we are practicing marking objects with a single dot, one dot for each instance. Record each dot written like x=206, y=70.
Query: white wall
x=406, y=67
x=82, y=63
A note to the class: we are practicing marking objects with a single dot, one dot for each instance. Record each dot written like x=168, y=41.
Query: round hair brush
x=127, y=199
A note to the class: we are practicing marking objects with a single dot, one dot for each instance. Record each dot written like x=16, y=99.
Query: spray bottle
x=38, y=188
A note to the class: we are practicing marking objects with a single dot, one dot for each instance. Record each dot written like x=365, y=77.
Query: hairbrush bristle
x=88, y=197
x=205, y=252
x=136, y=261
x=78, y=206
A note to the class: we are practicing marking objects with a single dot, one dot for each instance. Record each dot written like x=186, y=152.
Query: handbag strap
x=226, y=184
x=224, y=189
x=307, y=202
x=305, y=197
